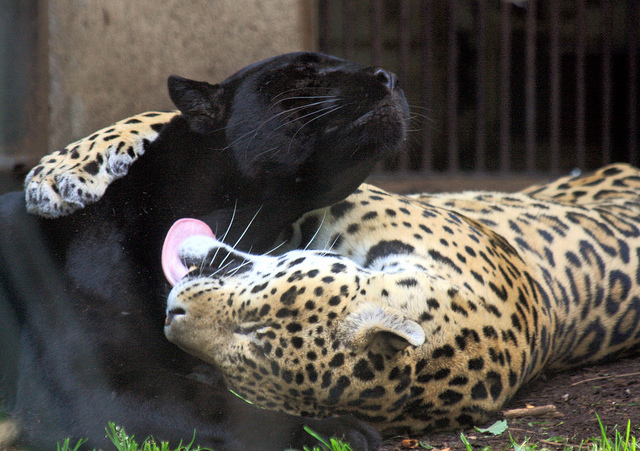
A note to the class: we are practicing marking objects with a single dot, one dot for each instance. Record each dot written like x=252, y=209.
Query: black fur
x=82, y=297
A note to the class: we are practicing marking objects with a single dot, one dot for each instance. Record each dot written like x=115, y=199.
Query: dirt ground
x=612, y=391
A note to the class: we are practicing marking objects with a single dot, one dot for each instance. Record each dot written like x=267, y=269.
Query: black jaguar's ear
x=198, y=101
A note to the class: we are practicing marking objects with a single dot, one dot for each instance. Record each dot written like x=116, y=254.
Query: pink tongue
x=182, y=229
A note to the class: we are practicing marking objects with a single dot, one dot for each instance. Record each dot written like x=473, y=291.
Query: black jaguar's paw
x=359, y=435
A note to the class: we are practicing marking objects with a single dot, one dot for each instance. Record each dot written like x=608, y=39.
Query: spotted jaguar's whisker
x=326, y=249
x=248, y=225
x=233, y=215
x=221, y=268
x=237, y=268
x=324, y=216
x=274, y=248
x=242, y=235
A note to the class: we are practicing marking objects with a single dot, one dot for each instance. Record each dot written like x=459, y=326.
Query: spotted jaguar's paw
x=78, y=175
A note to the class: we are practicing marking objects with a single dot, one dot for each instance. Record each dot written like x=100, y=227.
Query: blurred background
x=503, y=93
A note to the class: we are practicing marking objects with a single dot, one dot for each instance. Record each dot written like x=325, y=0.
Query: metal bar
x=530, y=86
x=427, y=84
x=481, y=120
x=348, y=35
x=634, y=22
x=607, y=91
x=323, y=25
x=554, y=144
x=403, y=74
x=452, y=88
x=377, y=32
x=505, y=82
x=580, y=84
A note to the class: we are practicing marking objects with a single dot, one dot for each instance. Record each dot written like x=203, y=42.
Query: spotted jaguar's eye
x=248, y=328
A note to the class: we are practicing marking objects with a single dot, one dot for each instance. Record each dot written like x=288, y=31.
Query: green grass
x=620, y=441
x=124, y=442
x=616, y=441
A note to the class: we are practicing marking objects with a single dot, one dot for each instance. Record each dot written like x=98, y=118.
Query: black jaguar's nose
x=389, y=79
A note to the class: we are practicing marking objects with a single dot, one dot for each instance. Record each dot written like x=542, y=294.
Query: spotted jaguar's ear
x=198, y=101
x=384, y=328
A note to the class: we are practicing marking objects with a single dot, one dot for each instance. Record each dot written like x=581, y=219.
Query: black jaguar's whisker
x=324, y=109
x=331, y=110
x=303, y=98
x=255, y=130
x=355, y=151
x=290, y=112
x=414, y=116
x=306, y=88
x=423, y=115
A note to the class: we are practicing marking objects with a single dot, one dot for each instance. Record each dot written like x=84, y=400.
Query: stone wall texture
x=109, y=59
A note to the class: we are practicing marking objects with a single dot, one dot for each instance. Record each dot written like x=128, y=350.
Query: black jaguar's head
x=312, y=124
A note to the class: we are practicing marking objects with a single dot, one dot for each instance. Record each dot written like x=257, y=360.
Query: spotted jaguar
x=413, y=313
x=421, y=312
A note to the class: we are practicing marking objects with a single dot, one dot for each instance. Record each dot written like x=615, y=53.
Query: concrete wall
x=109, y=59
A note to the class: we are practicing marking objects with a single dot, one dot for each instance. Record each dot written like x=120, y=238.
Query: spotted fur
x=78, y=175
x=422, y=312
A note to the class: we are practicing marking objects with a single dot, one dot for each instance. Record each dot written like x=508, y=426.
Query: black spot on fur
x=337, y=360
x=437, y=256
x=373, y=393
x=495, y=384
x=450, y=397
x=337, y=268
x=409, y=282
x=290, y=296
x=479, y=391
x=362, y=371
x=336, y=391
x=443, y=351
x=385, y=248
x=340, y=209
x=353, y=228
x=258, y=288
x=297, y=342
x=92, y=168
x=370, y=215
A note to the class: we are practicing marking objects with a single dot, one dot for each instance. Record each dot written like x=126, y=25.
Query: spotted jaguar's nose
x=387, y=78
x=171, y=314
